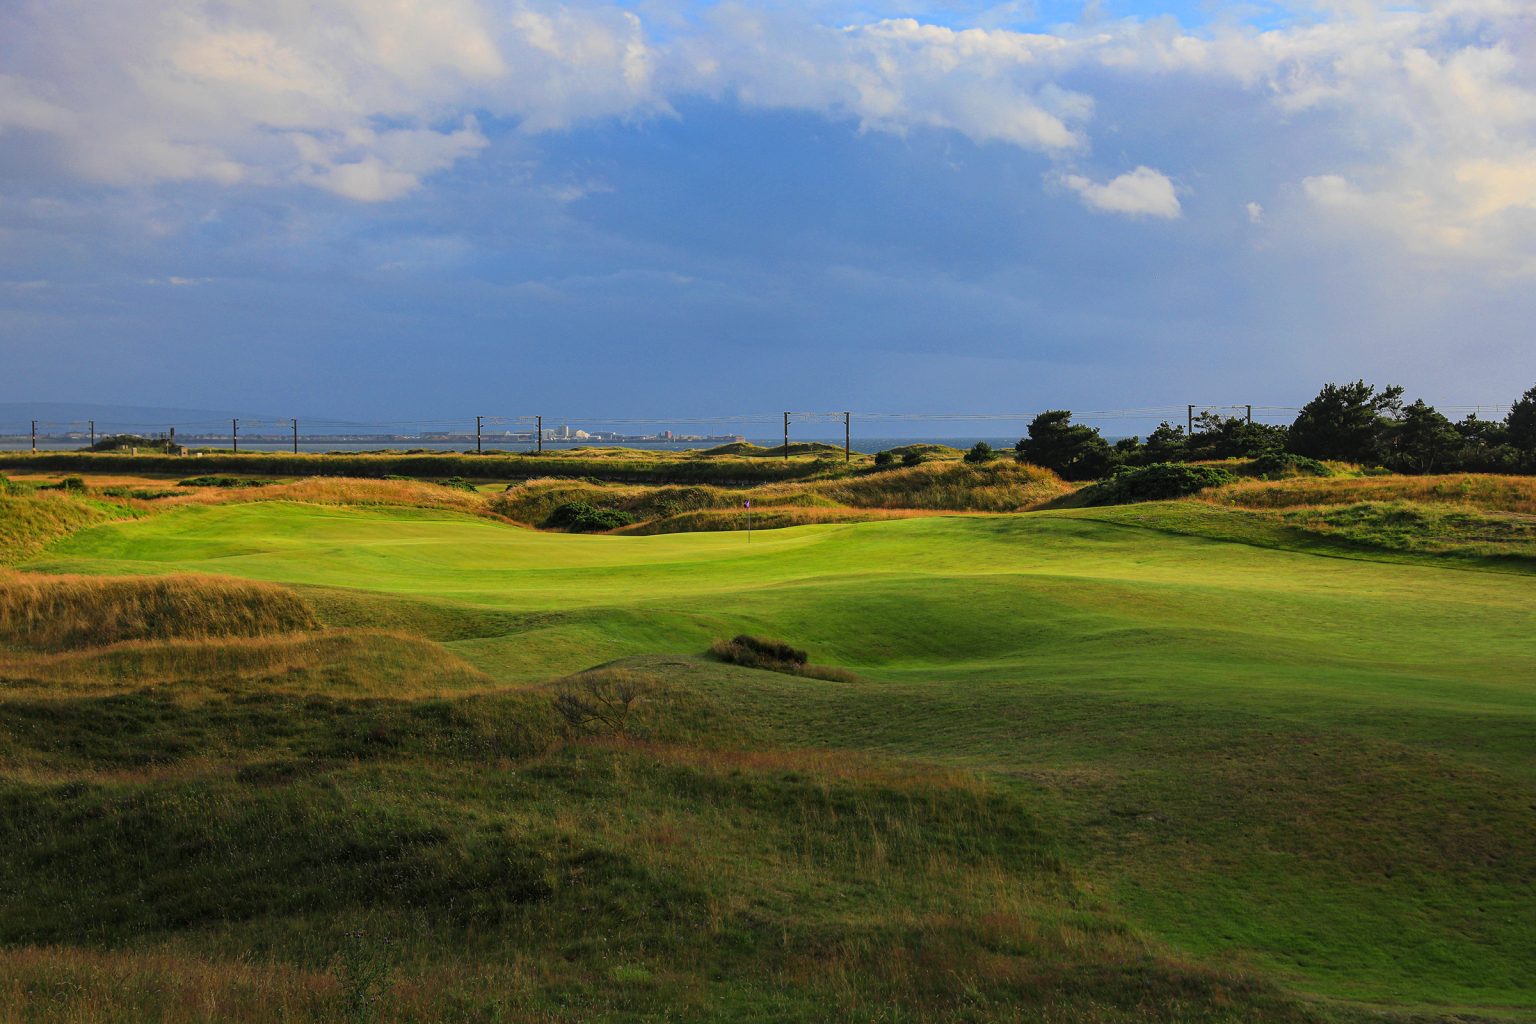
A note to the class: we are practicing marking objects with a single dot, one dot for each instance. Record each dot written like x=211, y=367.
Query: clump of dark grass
x=224, y=481
x=774, y=656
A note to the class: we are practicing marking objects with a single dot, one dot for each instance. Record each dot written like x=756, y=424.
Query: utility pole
x=34, y=437
x=786, y=437
x=295, y=424
x=478, y=420
x=1190, y=420
x=93, y=433
x=1250, y=415
x=847, y=439
x=234, y=435
x=538, y=434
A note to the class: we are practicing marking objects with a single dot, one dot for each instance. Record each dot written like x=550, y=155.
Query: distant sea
x=868, y=445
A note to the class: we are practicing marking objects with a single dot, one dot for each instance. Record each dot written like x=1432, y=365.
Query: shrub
x=224, y=481
x=603, y=702
x=1158, y=482
x=73, y=484
x=1273, y=465
x=458, y=483
x=911, y=457
x=884, y=460
x=580, y=517
x=759, y=652
x=980, y=452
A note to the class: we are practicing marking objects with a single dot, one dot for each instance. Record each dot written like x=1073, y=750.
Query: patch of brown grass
x=1484, y=491
x=60, y=612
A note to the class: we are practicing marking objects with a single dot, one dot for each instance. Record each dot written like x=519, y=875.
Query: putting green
x=1319, y=766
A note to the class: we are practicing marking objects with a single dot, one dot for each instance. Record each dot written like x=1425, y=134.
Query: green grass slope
x=1206, y=748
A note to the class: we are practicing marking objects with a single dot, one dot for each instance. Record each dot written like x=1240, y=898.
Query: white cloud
x=1255, y=212
x=1427, y=114
x=1143, y=192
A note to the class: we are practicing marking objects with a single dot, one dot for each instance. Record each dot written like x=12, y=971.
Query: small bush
x=141, y=493
x=1158, y=482
x=980, y=452
x=759, y=652
x=911, y=457
x=775, y=656
x=602, y=703
x=1274, y=465
x=884, y=460
x=224, y=481
x=458, y=483
x=580, y=517
x=73, y=484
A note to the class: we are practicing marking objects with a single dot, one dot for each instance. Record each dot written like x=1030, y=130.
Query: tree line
x=1346, y=422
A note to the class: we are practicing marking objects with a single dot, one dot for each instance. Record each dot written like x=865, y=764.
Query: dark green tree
x=1346, y=422
x=980, y=452
x=1421, y=440
x=1074, y=451
x=1520, y=424
x=1232, y=437
x=1167, y=443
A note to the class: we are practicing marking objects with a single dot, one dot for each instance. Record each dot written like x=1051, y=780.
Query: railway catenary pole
x=1189, y=419
x=34, y=437
x=478, y=421
x=93, y=433
x=786, y=437
x=847, y=438
x=538, y=434
x=295, y=425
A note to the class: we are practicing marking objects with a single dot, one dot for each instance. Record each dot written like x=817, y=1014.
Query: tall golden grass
x=1002, y=485
x=1476, y=490
x=59, y=612
x=30, y=522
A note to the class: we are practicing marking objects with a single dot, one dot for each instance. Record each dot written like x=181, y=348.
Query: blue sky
x=369, y=211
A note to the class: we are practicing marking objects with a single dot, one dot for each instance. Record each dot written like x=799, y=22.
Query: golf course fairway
x=1314, y=765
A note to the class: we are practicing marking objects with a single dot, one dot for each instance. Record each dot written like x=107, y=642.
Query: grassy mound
x=364, y=662
x=999, y=486
x=61, y=612
x=30, y=522
x=1416, y=527
x=1484, y=491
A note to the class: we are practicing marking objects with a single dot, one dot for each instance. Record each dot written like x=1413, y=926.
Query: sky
x=398, y=210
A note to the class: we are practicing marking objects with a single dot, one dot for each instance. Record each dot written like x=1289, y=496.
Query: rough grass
x=1000, y=486
x=30, y=522
x=1478, y=490
x=1441, y=529
x=360, y=662
x=62, y=612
